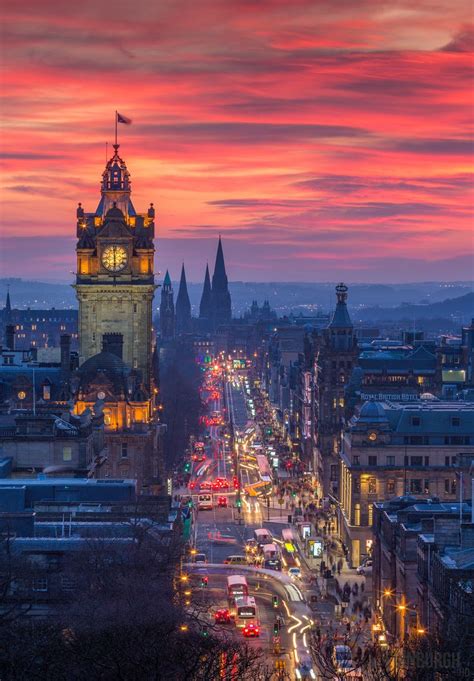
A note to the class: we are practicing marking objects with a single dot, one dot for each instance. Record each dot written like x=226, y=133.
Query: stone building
x=336, y=355
x=423, y=560
x=396, y=449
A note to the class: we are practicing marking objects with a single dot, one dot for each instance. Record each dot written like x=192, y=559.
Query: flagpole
x=116, y=127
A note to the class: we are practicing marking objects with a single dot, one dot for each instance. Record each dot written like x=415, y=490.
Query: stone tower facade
x=338, y=354
x=115, y=282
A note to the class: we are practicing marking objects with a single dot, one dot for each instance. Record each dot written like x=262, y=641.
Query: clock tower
x=115, y=282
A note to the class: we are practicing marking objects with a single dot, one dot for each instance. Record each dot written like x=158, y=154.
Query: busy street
x=257, y=517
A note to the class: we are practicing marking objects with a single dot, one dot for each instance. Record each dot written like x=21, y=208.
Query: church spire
x=221, y=302
x=219, y=278
x=205, y=307
x=167, y=280
x=167, y=312
x=7, y=310
x=183, y=306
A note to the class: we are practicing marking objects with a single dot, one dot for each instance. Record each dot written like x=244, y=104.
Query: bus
x=263, y=536
x=245, y=611
x=289, y=549
x=237, y=587
x=271, y=557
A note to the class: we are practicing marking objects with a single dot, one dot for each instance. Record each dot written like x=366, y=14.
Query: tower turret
x=341, y=329
x=116, y=186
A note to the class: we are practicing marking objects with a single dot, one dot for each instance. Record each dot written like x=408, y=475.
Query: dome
x=372, y=411
x=114, y=212
x=104, y=361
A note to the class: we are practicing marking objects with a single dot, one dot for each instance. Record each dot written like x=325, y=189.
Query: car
x=236, y=560
x=251, y=630
x=305, y=670
x=294, y=572
x=200, y=559
x=205, y=485
x=222, y=616
x=365, y=568
x=222, y=502
x=199, y=457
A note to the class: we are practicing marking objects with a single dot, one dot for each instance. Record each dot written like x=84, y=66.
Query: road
x=223, y=531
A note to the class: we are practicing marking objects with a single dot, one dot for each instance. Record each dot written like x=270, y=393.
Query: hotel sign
x=394, y=397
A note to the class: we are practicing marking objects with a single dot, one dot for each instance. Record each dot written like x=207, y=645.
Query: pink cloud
x=323, y=129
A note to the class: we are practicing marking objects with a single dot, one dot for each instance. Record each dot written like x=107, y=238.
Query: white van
x=263, y=536
x=205, y=502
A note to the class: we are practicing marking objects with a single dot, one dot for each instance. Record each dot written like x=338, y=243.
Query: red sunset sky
x=325, y=139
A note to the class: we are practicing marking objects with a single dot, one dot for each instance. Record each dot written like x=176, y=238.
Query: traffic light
x=204, y=580
x=238, y=503
x=293, y=494
x=276, y=629
x=205, y=632
x=275, y=601
x=187, y=466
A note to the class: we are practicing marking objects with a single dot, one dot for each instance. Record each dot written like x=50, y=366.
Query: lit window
x=40, y=584
x=372, y=486
x=67, y=453
x=46, y=392
x=356, y=514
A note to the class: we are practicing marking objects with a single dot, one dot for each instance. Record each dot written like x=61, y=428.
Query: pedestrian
x=333, y=569
x=339, y=565
x=362, y=587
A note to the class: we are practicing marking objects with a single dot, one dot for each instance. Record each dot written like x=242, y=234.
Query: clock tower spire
x=115, y=281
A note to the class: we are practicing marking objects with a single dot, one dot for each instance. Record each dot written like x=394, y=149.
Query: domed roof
x=114, y=212
x=372, y=411
x=104, y=361
x=114, y=224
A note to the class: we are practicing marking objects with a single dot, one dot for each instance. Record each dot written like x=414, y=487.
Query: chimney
x=10, y=336
x=113, y=342
x=65, y=354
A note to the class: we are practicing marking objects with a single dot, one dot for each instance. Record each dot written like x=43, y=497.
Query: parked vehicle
x=365, y=568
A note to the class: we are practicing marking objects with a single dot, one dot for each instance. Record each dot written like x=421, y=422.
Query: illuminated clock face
x=372, y=436
x=114, y=258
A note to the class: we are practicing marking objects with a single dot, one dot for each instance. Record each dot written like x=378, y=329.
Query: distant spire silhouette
x=183, y=306
x=167, y=312
x=205, y=306
x=221, y=301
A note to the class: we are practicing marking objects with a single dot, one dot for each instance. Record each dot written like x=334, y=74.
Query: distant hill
x=366, y=301
x=461, y=308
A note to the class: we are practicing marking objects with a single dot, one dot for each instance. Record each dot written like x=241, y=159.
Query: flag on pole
x=123, y=119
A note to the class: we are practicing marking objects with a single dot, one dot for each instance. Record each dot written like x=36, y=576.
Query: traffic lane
x=214, y=594
x=218, y=536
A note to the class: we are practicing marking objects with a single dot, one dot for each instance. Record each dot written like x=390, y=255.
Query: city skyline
x=331, y=139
